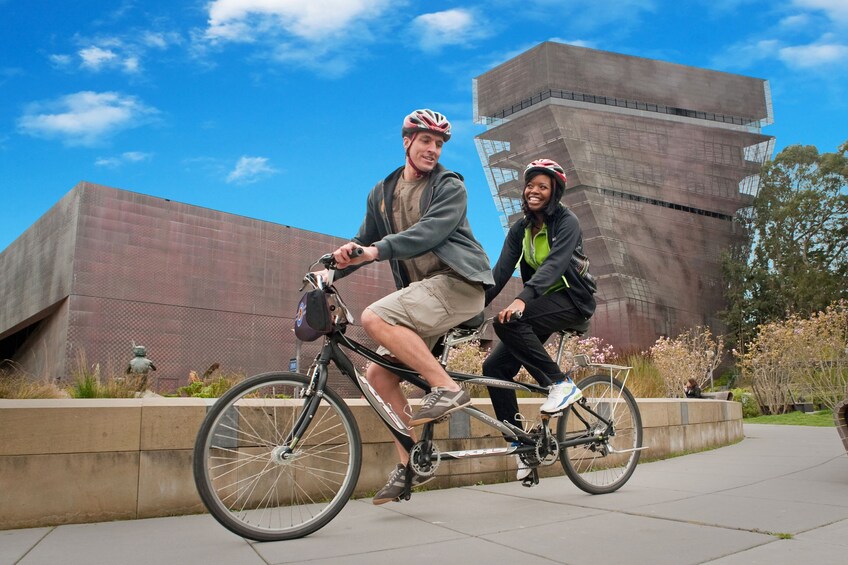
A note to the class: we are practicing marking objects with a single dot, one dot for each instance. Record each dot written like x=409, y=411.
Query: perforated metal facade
x=659, y=158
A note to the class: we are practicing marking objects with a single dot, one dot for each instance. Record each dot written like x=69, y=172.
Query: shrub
x=89, y=383
x=695, y=354
x=797, y=357
x=211, y=385
x=468, y=358
x=16, y=383
x=645, y=380
x=750, y=407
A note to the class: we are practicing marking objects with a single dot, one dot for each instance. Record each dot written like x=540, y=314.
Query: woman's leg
x=524, y=338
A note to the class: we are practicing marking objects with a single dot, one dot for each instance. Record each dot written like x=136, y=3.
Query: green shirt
x=536, y=250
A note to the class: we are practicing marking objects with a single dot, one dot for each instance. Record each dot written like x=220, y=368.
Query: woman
x=547, y=247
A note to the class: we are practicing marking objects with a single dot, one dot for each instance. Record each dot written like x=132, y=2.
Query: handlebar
x=329, y=263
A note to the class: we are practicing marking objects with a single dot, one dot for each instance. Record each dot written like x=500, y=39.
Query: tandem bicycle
x=278, y=455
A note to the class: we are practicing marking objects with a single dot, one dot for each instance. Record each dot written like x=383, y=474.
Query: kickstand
x=531, y=480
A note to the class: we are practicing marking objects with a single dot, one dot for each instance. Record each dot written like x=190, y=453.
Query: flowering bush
x=693, y=354
x=468, y=358
x=799, y=358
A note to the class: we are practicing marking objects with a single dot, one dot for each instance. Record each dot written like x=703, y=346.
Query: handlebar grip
x=357, y=251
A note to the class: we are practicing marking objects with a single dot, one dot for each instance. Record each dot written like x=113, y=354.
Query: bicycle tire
x=606, y=463
x=244, y=483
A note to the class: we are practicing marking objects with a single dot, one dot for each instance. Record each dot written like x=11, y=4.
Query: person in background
x=692, y=389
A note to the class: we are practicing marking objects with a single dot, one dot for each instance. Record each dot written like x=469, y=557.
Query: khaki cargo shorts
x=431, y=307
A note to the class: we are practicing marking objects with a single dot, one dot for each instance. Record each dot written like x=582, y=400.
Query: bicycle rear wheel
x=260, y=483
x=608, y=457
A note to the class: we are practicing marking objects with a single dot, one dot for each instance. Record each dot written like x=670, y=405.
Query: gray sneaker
x=397, y=484
x=438, y=403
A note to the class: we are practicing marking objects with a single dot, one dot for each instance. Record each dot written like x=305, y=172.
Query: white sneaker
x=523, y=469
x=561, y=395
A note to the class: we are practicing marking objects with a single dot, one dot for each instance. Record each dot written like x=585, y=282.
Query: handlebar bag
x=313, y=317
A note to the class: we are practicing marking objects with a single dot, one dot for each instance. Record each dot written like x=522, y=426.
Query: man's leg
x=403, y=321
x=387, y=385
x=409, y=348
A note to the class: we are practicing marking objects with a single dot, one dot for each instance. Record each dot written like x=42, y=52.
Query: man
x=416, y=219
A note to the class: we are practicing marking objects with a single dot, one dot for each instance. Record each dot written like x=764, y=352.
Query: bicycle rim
x=605, y=463
x=245, y=482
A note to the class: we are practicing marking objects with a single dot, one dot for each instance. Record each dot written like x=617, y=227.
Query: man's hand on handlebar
x=347, y=255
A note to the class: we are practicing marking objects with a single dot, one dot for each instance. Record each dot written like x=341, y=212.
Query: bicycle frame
x=332, y=352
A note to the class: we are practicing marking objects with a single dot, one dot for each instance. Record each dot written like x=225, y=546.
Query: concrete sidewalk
x=729, y=505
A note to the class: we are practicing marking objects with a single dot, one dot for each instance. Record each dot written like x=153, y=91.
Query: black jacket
x=565, y=239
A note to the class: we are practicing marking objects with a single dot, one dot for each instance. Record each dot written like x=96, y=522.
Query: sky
x=289, y=111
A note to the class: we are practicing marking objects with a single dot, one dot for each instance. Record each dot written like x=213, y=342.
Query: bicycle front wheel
x=259, y=480
x=606, y=428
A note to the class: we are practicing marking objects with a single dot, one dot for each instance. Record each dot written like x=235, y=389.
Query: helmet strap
x=418, y=172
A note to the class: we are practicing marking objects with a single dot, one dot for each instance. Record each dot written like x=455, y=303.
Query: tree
x=795, y=260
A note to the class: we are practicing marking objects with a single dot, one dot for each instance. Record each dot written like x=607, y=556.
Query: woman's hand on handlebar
x=353, y=254
x=512, y=312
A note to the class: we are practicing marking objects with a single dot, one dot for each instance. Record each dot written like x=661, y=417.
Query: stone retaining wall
x=76, y=461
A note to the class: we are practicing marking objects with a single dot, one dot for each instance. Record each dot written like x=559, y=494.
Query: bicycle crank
x=424, y=459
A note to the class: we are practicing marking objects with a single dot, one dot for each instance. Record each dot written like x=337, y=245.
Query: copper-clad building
x=105, y=268
x=659, y=158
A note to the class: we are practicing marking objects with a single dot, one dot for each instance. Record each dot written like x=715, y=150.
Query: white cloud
x=814, y=55
x=131, y=65
x=249, y=170
x=95, y=58
x=159, y=40
x=112, y=53
x=244, y=20
x=836, y=10
x=84, y=118
x=745, y=55
x=326, y=36
x=797, y=21
x=450, y=27
x=60, y=60
x=123, y=159
x=123, y=53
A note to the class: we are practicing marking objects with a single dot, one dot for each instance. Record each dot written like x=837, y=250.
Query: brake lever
x=329, y=263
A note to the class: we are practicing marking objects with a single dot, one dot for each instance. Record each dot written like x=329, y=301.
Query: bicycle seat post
x=561, y=348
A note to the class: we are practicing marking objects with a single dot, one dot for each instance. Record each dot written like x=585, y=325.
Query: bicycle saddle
x=577, y=329
x=473, y=323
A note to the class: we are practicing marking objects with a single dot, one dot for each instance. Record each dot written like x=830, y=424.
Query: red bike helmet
x=426, y=120
x=550, y=168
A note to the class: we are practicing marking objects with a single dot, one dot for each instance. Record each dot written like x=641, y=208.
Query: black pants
x=522, y=343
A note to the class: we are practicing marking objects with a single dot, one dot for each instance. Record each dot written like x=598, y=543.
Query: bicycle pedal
x=531, y=480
